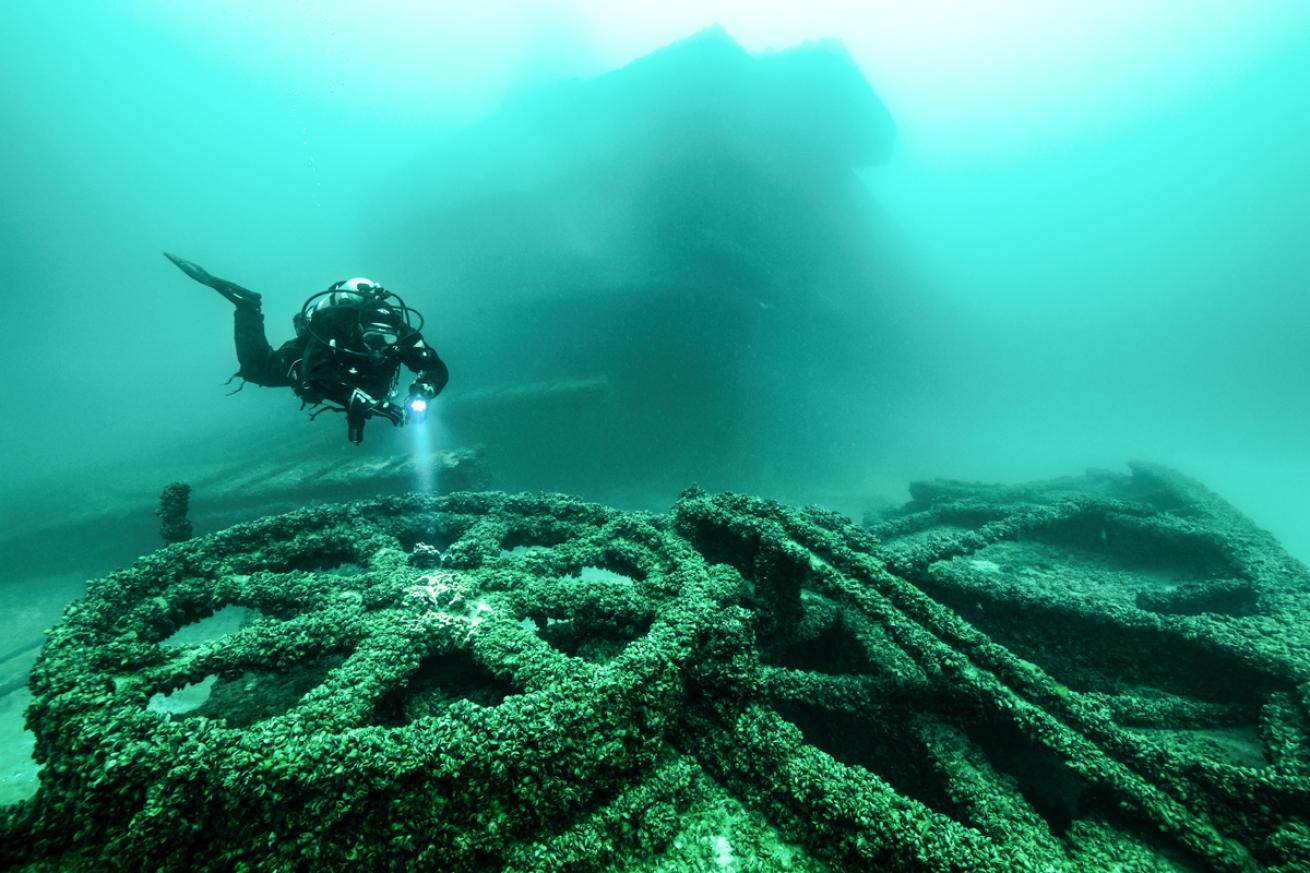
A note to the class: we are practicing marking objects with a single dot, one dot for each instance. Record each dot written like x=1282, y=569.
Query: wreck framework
x=1068, y=675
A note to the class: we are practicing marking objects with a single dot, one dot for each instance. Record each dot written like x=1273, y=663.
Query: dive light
x=417, y=409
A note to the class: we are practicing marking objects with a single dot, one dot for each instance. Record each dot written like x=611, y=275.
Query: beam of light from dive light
x=423, y=434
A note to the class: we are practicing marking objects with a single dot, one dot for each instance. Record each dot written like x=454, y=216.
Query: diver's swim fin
x=231, y=290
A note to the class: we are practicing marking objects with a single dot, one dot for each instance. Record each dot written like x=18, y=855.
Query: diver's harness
x=377, y=306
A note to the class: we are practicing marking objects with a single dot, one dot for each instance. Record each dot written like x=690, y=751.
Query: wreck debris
x=174, y=526
x=530, y=682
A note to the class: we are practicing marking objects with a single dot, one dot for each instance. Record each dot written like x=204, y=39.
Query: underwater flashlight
x=416, y=409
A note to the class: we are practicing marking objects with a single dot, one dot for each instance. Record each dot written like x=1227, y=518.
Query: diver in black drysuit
x=350, y=342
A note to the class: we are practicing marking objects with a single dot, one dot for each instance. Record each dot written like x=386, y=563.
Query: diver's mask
x=379, y=339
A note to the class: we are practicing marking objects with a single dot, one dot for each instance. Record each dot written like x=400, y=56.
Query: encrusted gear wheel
x=386, y=750
x=1065, y=676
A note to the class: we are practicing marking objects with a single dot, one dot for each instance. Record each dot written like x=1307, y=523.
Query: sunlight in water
x=960, y=77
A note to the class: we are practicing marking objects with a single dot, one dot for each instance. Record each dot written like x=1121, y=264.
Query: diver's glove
x=390, y=411
x=420, y=397
x=363, y=406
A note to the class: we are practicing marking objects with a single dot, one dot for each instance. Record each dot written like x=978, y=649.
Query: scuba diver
x=350, y=342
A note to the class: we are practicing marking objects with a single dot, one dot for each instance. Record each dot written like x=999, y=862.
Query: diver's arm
x=432, y=371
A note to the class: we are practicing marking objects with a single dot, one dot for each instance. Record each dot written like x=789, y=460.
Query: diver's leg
x=255, y=356
x=231, y=290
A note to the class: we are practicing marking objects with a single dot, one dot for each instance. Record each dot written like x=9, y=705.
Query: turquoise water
x=687, y=246
x=1080, y=242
